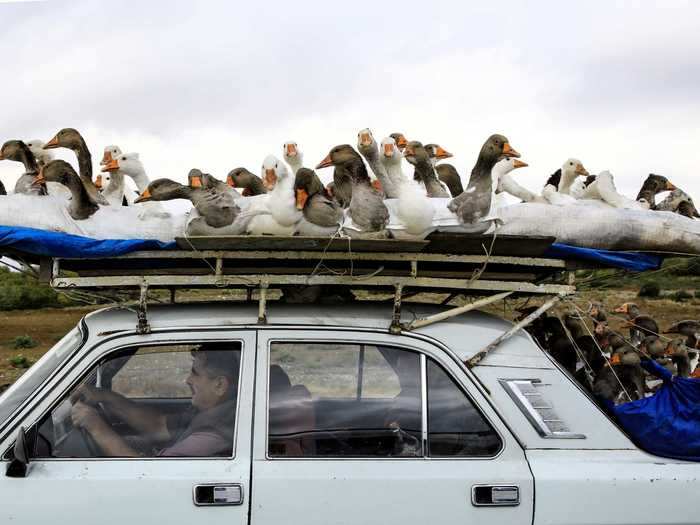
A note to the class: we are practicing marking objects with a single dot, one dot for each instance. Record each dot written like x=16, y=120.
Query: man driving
x=205, y=430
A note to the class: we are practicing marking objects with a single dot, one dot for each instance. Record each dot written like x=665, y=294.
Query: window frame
x=95, y=359
x=434, y=353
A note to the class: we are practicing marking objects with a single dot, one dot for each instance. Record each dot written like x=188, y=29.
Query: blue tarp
x=634, y=261
x=56, y=244
x=666, y=424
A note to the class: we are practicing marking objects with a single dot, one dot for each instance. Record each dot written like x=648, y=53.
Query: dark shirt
x=202, y=434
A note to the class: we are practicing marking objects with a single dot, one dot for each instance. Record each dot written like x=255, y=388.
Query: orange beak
x=302, y=197
x=388, y=150
x=580, y=170
x=365, y=139
x=196, y=182
x=401, y=142
x=230, y=181
x=145, y=196
x=270, y=179
x=106, y=158
x=325, y=162
x=377, y=185
x=98, y=182
x=669, y=186
x=615, y=359
x=112, y=165
x=442, y=154
x=519, y=164
x=291, y=150
x=508, y=151
x=621, y=309
x=53, y=143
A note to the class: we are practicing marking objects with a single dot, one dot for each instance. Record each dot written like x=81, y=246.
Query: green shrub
x=681, y=296
x=19, y=291
x=20, y=361
x=24, y=341
x=649, y=290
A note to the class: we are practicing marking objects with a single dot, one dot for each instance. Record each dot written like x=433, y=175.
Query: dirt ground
x=47, y=326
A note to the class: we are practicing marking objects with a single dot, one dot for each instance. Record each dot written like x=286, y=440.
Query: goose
x=690, y=329
x=473, y=206
x=366, y=207
x=679, y=202
x=18, y=151
x=197, y=179
x=250, y=183
x=436, y=153
x=129, y=164
x=42, y=156
x=275, y=212
x=322, y=216
x=214, y=210
x=417, y=155
x=640, y=325
x=112, y=152
x=368, y=148
x=414, y=208
x=71, y=139
x=293, y=156
x=678, y=353
x=652, y=186
x=557, y=190
x=81, y=205
x=501, y=179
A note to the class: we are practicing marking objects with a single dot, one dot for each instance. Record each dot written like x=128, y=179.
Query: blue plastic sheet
x=634, y=261
x=56, y=244
x=666, y=424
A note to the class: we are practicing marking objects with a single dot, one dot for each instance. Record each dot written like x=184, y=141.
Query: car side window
x=150, y=401
x=455, y=425
x=344, y=400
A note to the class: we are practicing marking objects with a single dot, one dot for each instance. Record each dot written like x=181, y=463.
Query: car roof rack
x=453, y=264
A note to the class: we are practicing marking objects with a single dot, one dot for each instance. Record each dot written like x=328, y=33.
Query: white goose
x=293, y=156
x=368, y=148
x=503, y=182
x=560, y=195
x=130, y=165
x=275, y=212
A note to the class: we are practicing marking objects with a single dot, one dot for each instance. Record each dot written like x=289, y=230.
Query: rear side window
x=363, y=400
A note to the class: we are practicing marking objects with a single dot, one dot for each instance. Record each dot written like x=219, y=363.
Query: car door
x=198, y=473
x=359, y=427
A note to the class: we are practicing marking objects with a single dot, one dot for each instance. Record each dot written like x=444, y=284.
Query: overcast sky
x=216, y=85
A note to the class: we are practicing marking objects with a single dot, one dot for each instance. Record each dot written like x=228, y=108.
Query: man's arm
x=147, y=421
x=86, y=417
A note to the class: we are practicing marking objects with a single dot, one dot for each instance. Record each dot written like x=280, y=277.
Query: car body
x=552, y=457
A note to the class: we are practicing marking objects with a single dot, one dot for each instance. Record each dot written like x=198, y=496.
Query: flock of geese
x=290, y=199
x=608, y=363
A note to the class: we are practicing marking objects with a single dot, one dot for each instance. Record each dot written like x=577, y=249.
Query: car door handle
x=495, y=495
x=209, y=494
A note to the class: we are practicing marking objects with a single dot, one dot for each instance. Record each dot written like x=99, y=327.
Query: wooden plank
x=470, y=244
x=273, y=242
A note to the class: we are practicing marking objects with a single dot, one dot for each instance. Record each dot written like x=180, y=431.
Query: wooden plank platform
x=507, y=245
x=282, y=243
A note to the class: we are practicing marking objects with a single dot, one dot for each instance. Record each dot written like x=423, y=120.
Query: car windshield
x=14, y=396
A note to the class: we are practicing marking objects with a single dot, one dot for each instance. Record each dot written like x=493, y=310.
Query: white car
x=319, y=416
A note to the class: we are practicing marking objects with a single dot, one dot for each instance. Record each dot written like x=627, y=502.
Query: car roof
x=464, y=334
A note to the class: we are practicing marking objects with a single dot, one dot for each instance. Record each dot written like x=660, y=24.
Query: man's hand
x=85, y=416
x=90, y=395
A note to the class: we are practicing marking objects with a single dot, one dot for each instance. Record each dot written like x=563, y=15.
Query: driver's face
x=206, y=392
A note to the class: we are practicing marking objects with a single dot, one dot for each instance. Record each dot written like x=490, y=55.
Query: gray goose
x=71, y=139
x=446, y=173
x=418, y=155
x=217, y=209
x=81, y=205
x=18, y=151
x=322, y=214
x=197, y=179
x=365, y=205
x=640, y=325
x=369, y=149
x=474, y=204
x=400, y=140
x=652, y=186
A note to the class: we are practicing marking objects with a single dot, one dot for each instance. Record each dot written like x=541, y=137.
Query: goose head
x=195, y=178
x=306, y=184
x=127, y=163
x=110, y=152
x=18, y=151
x=571, y=169
x=390, y=152
x=66, y=138
x=58, y=171
x=273, y=171
x=291, y=153
x=492, y=150
x=400, y=140
x=629, y=309
x=163, y=190
x=42, y=156
x=506, y=165
x=339, y=156
x=241, y=178
x=415, y=152
x=437, y=153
